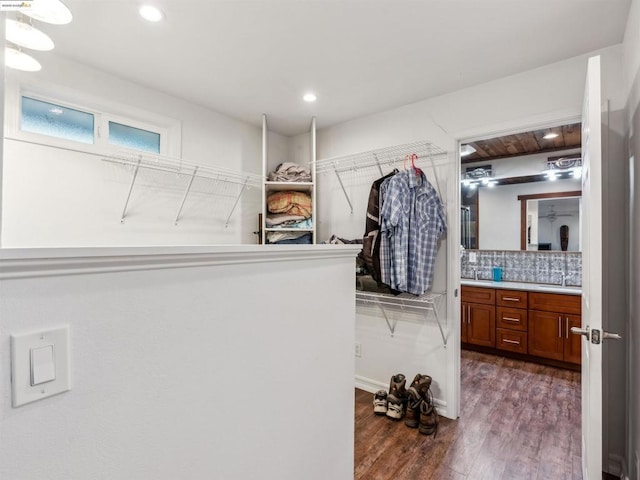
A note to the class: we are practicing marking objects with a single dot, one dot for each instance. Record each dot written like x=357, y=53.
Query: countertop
x=531, y=287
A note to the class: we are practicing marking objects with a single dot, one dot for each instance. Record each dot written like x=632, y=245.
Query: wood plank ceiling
x=526, y=143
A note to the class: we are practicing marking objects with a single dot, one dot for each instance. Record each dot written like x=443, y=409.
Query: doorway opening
x=520, y=295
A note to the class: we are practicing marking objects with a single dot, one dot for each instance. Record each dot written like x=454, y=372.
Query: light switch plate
x=22, y=391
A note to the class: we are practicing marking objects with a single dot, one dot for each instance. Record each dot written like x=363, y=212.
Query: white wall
x=499, y=209
x=186, y=363
x=56, y=197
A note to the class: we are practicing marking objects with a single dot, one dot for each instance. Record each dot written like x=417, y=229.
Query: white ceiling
x=248, y=57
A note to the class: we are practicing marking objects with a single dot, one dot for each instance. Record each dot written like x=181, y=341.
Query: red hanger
x=413, y=158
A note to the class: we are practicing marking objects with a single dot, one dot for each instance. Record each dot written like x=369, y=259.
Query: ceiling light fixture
x=310, y=97
x=27, y=36
x=49, y=11
x=466, y=150
x=551, y=135
x=151, y=13
x=16, y=58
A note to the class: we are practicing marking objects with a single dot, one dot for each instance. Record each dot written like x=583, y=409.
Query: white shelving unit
x=269, y=164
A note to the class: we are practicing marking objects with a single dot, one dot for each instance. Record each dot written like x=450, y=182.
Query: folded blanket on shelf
x=282, y=219
x=305, y=239
x=290, y=202
x=290, y=172
x=275, y=237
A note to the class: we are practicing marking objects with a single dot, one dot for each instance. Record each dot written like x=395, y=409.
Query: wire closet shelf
x=388, y=158
x=428, y=302
x=184, y=170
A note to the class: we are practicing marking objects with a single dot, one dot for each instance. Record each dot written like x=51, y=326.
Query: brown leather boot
x=397, y=398
x=412, y=418
x=428, y=418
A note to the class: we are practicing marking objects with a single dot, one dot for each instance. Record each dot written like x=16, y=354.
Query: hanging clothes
x=412, y=222
x=371, y=238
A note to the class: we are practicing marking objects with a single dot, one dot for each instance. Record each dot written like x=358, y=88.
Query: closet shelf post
x=186, y=194
x=133, y=181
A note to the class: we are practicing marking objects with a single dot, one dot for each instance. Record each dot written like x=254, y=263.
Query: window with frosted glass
x=56, y=121
x=135, y=138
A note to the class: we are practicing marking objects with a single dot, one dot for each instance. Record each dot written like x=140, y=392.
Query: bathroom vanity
x=523, y=320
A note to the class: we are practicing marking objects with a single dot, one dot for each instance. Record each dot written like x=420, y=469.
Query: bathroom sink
x=559, y=288
x=478, y=283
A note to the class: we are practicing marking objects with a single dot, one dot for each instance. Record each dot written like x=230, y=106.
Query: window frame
x=103, y=112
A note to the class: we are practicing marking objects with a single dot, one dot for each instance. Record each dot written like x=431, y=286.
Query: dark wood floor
x=518, y=420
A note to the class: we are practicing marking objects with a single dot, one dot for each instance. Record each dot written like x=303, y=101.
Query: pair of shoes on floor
x=394, y=403
x=421, y=412
x=416, y=402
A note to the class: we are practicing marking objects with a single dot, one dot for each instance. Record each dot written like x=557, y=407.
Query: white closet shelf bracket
x=429, y=302
x=391, y=157
x=183, y=169
x=244, y=187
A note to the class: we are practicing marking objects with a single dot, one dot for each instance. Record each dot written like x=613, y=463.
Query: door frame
x=551, y=119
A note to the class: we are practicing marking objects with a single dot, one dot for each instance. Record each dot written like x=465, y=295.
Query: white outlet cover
x=473, y=258
x=22, y=392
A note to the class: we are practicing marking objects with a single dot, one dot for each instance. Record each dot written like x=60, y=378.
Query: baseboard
x=616, y=466
x=372, y=386
x=369, y=385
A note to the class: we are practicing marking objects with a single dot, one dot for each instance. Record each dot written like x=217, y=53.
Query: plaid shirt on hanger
x=413, y=221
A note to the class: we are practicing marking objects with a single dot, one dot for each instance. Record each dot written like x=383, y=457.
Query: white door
x=591, y=236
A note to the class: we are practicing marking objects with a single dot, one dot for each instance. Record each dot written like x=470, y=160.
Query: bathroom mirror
x=500, y=175
x=550, y=221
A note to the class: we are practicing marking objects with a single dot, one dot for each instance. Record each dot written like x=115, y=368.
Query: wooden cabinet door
x=572, y=343
x=481, y=325
x=464, y=311
x=546, y=334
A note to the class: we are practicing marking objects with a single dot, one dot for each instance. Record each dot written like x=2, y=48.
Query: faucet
x=475, y=274
x=563, y=283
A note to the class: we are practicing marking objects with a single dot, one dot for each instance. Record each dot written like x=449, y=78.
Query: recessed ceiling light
x=151, y=13
x=310, y=97
x=27, y=36
x=49, y=11
x=19, y=60
x=551, y=135
x=466, y=150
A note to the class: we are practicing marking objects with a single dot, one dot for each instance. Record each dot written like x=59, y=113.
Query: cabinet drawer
x=486, y=296
x=511, y=298
x=555, y=302
x=511, y=340
x=511, y=318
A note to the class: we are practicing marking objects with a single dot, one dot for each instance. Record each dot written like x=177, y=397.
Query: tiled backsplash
x=525, y=266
